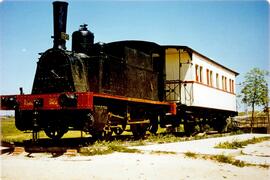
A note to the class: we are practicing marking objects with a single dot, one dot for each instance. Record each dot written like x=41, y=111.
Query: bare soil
x=135, y=166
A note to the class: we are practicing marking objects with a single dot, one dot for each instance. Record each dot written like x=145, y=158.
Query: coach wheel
x=189, y=128
x=138, y=130
x=153, y=126
x=220, y=124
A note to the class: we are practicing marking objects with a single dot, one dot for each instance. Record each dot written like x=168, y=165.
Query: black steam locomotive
x=97, y=88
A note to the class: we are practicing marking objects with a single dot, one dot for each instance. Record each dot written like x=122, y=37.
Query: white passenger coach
x=203, y=89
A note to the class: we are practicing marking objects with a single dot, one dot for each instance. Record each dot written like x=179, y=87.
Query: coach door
x=178, y=75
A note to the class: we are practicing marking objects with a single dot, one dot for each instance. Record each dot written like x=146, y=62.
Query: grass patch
x=161, y=139
x=264, y=166
x=139, y=142
x=239, y=163
x=230, y=145
x=105, y=147
x=229, y=160
x=191, y=154
x=163, y=152
x=223, y=159
x=237, y=132
x=240, y=144
x=9, y=132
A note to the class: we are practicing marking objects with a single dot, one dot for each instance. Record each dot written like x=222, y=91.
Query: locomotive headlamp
x=68, y=100
x=38, y=103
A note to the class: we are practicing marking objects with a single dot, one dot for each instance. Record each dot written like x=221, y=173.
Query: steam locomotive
x=101, y=88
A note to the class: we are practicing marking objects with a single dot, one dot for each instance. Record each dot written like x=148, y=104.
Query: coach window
x=232, y=86
x=225, y=84
x=207, y=76
x=197, y=72
x=211, y=78
x=201, y=78
x=217, y=80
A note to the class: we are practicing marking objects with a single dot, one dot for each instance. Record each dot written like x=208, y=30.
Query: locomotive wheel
x=107, y=135
x=54, y=133
x=138, y=130
x=119, y=130
x=55, y=130
x=102, y=135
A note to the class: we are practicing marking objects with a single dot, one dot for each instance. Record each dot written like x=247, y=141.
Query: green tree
x=255, y=90
x=266, y=110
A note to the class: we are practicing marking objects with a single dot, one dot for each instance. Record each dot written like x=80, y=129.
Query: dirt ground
x=146, y=165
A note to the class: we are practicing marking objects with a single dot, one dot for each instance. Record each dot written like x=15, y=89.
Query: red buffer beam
x=55, y=101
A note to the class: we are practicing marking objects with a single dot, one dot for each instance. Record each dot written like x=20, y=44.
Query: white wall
x=204, y=96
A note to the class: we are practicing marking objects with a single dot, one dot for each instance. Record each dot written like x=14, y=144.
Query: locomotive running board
x=137, y=100
x=138, y=122
x=171, y=106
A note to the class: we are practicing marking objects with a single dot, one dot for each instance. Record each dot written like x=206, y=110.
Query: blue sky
x=233, y=33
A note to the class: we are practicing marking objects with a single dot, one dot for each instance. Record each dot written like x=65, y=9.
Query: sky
x=233, y=33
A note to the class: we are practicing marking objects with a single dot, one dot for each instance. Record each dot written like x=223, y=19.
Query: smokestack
x=60, y=22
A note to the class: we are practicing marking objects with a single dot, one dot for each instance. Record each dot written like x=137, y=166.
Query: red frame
x=85, y=101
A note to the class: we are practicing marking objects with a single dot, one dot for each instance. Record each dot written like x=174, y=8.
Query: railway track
x=61, y=146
